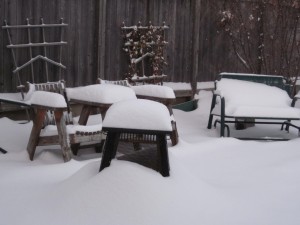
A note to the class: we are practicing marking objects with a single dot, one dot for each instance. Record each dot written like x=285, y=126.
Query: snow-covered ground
x=214, y=181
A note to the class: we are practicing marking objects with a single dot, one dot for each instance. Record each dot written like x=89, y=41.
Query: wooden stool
x=112, y=141
x=146, y=118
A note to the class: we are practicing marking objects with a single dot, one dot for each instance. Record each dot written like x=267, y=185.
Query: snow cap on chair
x=138, y=114
x=102, y=93
x=48, y=99
x=152, y=90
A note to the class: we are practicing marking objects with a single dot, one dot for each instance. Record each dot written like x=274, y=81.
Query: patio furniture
x=137, y=121
x=158, y=93
x=57, y=105
x=92, y=98
x=262, y=100
x=52, y=125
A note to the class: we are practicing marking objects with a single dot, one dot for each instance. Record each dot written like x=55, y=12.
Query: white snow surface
x=213, y=180
x=138, y=114
x=49, y=99
x=101, y=93
x=152, y=90
x=244, y=98
x=182, y=86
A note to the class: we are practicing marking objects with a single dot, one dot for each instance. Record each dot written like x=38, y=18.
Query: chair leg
x=35, y=132
x=163, y=158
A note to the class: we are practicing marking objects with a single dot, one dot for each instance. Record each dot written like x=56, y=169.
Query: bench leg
x=225, y=126
x=163, y=158
x=110, y=149
x=35, y=132
x=213, y=103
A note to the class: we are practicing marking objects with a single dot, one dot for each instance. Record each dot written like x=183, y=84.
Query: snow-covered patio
x=213, y=180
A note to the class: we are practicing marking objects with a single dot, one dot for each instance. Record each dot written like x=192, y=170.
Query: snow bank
x=214, y=181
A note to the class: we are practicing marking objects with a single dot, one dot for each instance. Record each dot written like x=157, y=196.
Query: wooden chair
x=44, y=115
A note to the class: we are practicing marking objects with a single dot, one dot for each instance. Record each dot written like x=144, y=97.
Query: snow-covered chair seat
x=240, y=99
x=137, y=123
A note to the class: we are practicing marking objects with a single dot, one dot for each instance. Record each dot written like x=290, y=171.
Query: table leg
x=84, y=116
x=62, y=135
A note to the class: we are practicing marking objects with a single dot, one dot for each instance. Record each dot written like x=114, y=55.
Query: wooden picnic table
x=88, y=108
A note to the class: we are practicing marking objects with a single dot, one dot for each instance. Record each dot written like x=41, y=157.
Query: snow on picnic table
x=214, y=181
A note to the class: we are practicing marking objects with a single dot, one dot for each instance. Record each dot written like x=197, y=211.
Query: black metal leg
x=222, y=117
x=110, y=149
x=3, y=151
x=163, y=158
x=213, y=103
x=225, y=126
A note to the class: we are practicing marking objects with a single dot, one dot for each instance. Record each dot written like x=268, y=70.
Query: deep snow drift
x=214, y=181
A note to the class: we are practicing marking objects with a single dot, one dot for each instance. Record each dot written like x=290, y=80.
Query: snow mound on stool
x=102, y=93
x=138, y=114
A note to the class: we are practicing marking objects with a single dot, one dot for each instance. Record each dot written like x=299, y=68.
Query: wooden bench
x=251, y=98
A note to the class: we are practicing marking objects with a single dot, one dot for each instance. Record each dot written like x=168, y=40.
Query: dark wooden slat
x=196, y=52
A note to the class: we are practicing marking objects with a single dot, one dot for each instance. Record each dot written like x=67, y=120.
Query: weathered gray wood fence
x=196, y=52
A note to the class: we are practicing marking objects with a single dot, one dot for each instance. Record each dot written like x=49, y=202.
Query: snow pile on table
x=101, y=93
x=152, y=90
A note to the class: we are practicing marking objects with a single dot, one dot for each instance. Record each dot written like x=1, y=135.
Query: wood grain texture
x=195, y=51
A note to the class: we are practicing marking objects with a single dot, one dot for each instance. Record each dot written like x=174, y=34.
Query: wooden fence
x=196, y=52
